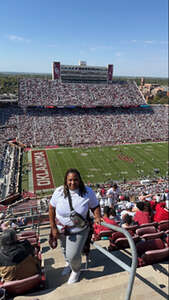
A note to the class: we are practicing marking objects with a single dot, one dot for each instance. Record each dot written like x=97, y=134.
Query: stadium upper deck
x=40, y=92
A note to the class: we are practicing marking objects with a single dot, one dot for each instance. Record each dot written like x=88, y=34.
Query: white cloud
x=149, y=42
x=133, y=41
x=164, y=42
x=101, y=48
x=13, y=37
x=52, y=46
x=118, y=54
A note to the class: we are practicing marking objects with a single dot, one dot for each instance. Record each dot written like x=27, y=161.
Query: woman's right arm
x=52, y=219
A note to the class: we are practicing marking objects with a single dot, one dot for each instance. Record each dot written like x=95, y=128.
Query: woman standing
x=72, y=237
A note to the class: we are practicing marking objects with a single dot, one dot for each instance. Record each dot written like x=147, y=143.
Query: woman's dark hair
x=112, y=212
x=82, y=189
x=128, y=219
x=8, y=237
x=115, y=186
x=140, y=205
x=106, y=210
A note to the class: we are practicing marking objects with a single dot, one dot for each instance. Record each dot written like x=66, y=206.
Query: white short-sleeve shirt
x=81, y=204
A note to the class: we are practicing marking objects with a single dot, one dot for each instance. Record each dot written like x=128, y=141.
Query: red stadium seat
x=146, y=230
x=151, y=252
x=155, y=224
x=149, y=232
x=19, y=287
x=163, y=225
x=132, y=228
x=30, y=233
x=119, y=241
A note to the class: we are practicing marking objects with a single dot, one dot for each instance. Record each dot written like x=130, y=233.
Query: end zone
x=42, y=177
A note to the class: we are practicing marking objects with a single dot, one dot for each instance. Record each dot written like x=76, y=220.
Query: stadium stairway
x=103, y=280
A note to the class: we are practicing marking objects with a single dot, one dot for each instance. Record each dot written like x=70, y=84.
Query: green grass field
x=102, y=164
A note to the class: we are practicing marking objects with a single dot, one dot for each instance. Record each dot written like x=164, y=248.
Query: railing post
x=132, y=269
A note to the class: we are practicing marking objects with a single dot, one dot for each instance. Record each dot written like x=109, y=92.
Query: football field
x=110, y=163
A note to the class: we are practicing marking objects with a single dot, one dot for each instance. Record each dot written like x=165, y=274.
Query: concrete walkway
x=103, y=280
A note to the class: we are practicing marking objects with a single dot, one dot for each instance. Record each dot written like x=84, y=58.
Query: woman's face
x=73, y=181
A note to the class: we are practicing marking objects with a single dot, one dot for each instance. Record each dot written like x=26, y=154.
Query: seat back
x=123, y=243
x=132, y=228
x=163, y=225
x=155, y=256
x=18, y=287
x=29, y=233
x=148, y=236
x=146, y=230
x=116, y=235
x=155, y=224
x=148, y=245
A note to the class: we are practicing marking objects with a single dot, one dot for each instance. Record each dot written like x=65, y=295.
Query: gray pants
x=72, y=246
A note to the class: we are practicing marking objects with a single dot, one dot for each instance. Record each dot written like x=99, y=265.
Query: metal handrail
x=131, y=269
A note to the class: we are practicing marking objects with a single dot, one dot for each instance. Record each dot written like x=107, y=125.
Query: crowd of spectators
x=132, y=190
x=93, y=127
x=122, y=198
x=14, y=172
x=43, y=92
x=79, y=126
x=9, y=176
x=150, y=202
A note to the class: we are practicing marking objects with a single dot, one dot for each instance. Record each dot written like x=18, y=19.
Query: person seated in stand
x=128, y=210
x=127, y=221
x=141, y=216
x=17, y=259
x=13, y=224
x=21, y=221
x=113, y=215
x=5, y=225
x=106, y=218
x=162, y=212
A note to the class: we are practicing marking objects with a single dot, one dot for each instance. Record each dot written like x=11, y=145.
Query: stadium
x=85, y=119
x=56, y=114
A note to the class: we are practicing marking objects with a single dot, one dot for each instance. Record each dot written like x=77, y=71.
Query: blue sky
x=131, y=34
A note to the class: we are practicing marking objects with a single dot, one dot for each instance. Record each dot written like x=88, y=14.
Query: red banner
x=42, y=176
x=56, y=70
x=110, y=72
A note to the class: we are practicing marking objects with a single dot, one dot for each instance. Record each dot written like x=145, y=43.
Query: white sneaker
x=66, y=270
x=74, y=277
